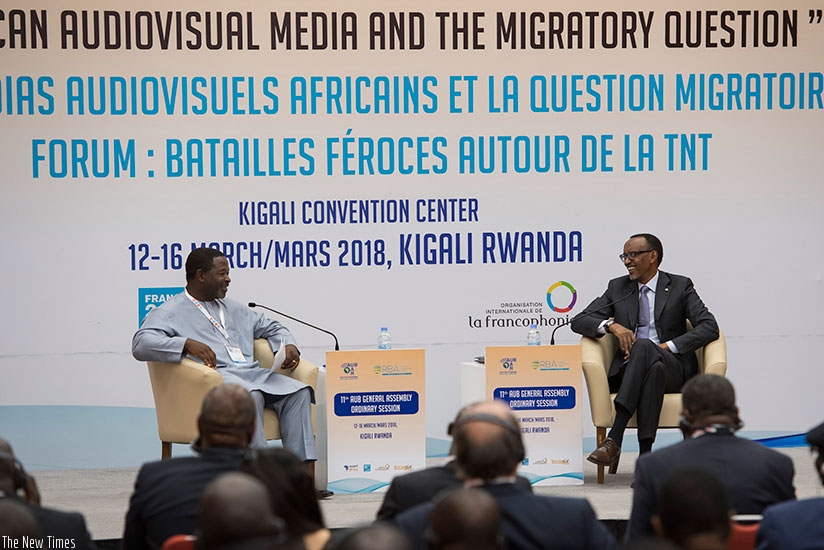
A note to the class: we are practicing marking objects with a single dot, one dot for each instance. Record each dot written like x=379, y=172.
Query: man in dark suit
x=489, y=449
x=65, y=526
x=422, y=486
x=167, y=493
x=796, y=524
x=754, y=476
x=647, y=310
x=415, y=488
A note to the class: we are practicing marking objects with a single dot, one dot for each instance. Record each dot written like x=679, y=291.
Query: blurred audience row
x=690, y=495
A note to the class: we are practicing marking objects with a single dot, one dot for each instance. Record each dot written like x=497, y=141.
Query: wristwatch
x=608, y=324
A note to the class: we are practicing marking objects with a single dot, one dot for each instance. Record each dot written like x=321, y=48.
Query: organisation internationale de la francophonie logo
x=561, y=297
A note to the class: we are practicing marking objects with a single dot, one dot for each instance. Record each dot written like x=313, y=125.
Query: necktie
x=642, y=330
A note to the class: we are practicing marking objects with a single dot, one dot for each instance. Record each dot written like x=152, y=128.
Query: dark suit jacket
x=167, y=493
x=795, y=525
x=60, y=525
x=415, y=488
x=755, y=476
x=528, y=521
x=675, y=302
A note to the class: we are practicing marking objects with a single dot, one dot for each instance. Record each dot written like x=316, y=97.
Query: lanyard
x=219, y=326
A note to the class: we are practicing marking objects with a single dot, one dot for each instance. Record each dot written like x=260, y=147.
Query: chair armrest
x=306, y=371
x=263, y=353
x=179, y=389
x=715, y=356
x=595, y=356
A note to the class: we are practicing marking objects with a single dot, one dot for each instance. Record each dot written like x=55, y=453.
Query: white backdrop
x=744, y=220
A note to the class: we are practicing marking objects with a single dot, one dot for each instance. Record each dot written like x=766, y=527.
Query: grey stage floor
x=103, y=495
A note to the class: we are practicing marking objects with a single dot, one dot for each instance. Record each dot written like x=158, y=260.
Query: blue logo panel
x=537, y=398
x=150, y=298
x=377, y=403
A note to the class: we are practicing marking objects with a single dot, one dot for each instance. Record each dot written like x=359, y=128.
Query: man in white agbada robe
x=202, y=324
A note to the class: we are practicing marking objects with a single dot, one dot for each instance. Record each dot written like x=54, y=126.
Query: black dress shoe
x=323, y=494
x=607, y=453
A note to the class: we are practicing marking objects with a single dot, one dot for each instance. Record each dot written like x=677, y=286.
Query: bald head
x=227, y=417
x=693, y=502
x=466, y=519
x=488, y=441
x=235, y=508
x=450, y=430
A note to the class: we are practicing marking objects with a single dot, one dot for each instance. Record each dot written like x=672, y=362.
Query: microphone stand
x=254, y=305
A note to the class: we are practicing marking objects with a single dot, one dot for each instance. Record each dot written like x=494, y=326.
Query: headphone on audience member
x=687, y=427
x=492, y=419
x=19, y=475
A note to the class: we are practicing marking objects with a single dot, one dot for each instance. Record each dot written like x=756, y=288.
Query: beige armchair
x=179, y=389
x=596, y=357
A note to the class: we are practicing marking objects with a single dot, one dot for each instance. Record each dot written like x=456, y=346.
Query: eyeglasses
x=633, y=255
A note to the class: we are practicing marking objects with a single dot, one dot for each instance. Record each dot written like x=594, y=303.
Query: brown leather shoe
x=606, y=454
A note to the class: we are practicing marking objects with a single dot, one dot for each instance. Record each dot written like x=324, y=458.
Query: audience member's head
x=450, y=429
x=16, y=522
x=291, y=488
x=235, y=511
x=694, y=511
x=466, y=519
x=13, y=477
x=9, y=470
x=815, y=438
x=227, y=417
x=708, y=399
x=488, y=442
x=378, y=536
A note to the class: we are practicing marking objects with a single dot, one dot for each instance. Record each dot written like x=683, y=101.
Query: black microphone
x=337, y=347
x=587, y=314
